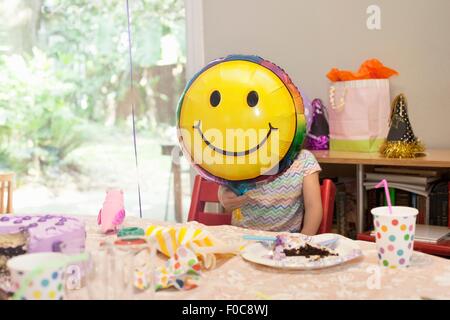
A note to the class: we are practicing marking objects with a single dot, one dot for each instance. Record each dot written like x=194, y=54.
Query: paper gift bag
x=359, y=115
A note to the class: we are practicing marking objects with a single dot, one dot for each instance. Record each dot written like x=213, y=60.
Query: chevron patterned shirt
x=278, y=205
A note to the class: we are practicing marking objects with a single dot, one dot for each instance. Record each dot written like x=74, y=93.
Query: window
x=65, y=103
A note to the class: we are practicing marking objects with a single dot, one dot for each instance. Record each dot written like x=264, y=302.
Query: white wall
x=307, y=38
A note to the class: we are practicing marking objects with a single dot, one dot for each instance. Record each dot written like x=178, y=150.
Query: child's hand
x=229, y=200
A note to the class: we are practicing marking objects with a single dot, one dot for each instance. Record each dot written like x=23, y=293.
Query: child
x=292, y=202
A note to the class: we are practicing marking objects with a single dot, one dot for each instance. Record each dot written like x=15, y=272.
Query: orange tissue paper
x=370, y=69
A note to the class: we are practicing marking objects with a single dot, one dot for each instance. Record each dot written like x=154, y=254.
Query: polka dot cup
x=394, y=234
x=46, y=285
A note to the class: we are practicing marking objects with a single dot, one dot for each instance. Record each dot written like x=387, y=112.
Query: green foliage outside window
x=67, y=66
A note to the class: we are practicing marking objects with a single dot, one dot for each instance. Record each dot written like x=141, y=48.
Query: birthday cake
x=21, y=234
x=292, y=246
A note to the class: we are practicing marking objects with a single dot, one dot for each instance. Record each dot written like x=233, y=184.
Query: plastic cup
x=121, y=270
x=45, y=285
x=394, y=234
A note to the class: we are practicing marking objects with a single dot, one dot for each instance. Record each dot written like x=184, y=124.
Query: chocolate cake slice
x=307, y=251
x=11, y=245
x=296, y=246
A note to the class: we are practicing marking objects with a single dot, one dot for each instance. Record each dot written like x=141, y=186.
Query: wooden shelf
x=441, y=248
x=434, y=158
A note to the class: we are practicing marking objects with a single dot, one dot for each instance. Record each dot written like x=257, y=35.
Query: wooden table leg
x=360, y=198
x=9, y=208
x=2, y=196
x=177, y=190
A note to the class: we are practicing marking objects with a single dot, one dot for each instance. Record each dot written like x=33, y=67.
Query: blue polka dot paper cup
x=43, y=284
x=394, y=234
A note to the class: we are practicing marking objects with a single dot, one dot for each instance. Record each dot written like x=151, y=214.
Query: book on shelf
x=422, y=190
x=414, y=202
x=380, y=197
x=403, y=198
x=418, y=183
x=410, y=171
x=345, y=207
x=427, y=233
x=372, y=202
x=403, y=179
x=393, y=196
x=439, y=204
x=423, y=205
x=433, y=205
x=340, y=209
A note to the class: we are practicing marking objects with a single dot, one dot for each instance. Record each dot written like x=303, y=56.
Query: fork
x=325, y=243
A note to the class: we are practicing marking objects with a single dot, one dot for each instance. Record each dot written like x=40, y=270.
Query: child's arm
x=229, y=200
x=313, y=204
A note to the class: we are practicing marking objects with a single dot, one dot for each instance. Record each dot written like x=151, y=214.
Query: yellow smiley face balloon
x=241, y=120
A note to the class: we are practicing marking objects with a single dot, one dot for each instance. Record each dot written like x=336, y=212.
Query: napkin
x=182, y=271
x=201, y=242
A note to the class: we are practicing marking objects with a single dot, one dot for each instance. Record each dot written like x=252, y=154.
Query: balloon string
x=132, y=108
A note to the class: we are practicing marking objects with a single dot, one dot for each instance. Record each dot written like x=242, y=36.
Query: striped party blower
x=200, y=241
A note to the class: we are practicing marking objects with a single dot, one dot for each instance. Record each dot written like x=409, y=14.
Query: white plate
x=346, y=248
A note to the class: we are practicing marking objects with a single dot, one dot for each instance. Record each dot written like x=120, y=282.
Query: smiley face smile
x=233, y=153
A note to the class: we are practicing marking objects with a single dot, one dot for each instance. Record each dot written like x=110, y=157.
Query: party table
x=235, y=278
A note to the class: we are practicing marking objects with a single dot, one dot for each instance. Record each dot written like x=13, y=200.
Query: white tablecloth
x=234, y=278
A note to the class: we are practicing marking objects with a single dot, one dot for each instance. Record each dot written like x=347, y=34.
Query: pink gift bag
x=359, y=115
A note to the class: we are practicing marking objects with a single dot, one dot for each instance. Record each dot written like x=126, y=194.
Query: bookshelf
x=434, y=158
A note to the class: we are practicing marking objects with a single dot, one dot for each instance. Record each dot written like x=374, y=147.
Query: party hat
x=318, y=136
x=401, y=141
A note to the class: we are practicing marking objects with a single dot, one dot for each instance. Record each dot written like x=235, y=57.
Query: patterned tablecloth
x=234, y=278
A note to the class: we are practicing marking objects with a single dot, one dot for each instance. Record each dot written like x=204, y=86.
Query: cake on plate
x=295, y=246
x=21, y=234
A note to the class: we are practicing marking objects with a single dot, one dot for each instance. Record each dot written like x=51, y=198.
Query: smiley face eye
x=252, y=98
x=214, y=99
